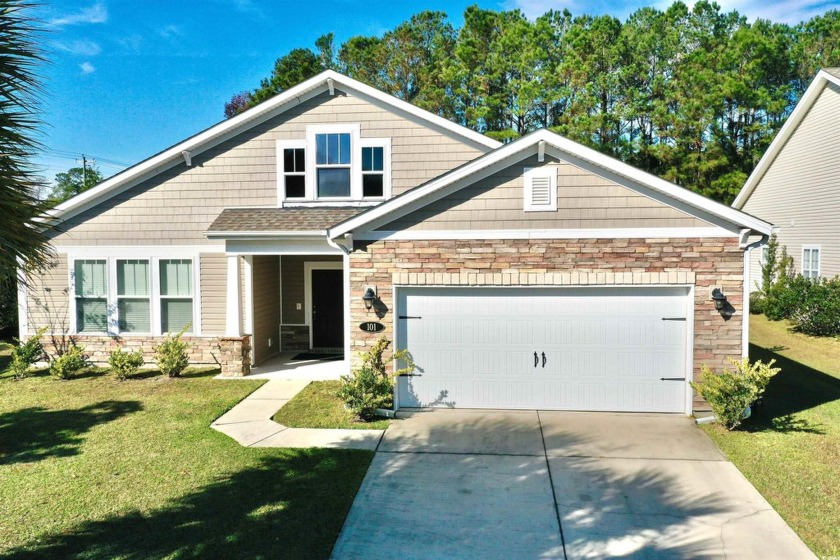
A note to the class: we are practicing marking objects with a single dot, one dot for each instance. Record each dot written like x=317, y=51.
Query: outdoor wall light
x=719, y=298
x=369, y=297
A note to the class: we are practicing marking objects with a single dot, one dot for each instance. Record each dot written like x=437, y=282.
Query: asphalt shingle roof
x=281, y=219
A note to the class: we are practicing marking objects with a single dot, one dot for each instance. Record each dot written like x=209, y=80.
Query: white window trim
x=281, y=168
x=385, y=144
x=355, y=168
x=548, y=171
x=113, y=281
x=111, y=258
x=110, y=329
x=816, y=248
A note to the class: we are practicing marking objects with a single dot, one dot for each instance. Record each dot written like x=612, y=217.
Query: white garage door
x=611, y=349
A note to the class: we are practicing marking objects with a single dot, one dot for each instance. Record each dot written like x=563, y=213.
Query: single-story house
x=796, y=184
x=534, y=274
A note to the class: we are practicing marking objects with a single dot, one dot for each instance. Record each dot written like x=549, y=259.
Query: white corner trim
x=629, y=233
x=802, y=107
x=23, y=308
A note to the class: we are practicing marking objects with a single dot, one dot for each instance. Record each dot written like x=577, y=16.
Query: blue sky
x=128, y=78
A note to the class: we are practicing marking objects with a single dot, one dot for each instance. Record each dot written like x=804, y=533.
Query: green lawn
x=318, y=407
x=790, y=448
x=94, y=468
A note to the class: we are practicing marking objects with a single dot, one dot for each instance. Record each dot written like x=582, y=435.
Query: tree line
x=694, y=95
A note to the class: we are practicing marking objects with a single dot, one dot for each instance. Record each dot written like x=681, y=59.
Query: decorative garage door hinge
x=673, y=318
x=409, y=317
x=672, y=378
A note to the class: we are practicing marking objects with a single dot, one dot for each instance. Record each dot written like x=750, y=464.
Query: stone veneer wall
x=703, y=262
x=202, y=350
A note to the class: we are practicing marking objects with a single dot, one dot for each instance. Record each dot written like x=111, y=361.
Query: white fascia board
x=595, y=233
x=802, y=107
x=562, y=148
x=226, y=129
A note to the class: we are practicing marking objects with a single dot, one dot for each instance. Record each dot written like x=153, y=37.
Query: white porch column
x=233, y=315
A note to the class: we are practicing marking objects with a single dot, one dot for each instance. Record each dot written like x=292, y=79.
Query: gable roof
x=218, y=133
x=823, y=77
x=562, y=148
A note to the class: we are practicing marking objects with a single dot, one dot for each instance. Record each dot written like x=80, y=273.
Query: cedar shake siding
x=178, y=205
x=701, y=262
x=800, y=191
x=584, y=200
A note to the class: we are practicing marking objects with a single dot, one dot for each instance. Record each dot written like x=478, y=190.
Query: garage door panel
x=605, y=349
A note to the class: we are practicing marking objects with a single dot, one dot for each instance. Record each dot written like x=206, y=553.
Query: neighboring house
x=536, y=274
x=796, y=185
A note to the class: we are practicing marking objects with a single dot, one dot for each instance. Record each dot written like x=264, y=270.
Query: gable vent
x=540, y=189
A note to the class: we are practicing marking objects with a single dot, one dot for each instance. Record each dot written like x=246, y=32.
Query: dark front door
x=327, y=309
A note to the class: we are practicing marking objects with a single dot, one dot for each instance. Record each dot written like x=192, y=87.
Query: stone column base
x=235, y=355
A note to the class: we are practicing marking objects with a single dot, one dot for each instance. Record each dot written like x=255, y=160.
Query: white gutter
x=745, y=327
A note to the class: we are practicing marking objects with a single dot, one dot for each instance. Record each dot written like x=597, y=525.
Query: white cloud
x=87, y=68
x=535, y=8
x=170, y=31
x=82, y=47
x=97, y=13
x=779, y=11
x=133, y=42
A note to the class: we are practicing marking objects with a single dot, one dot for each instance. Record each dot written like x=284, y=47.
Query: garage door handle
x=543, y=356
x=536, y=359
x=672, y=379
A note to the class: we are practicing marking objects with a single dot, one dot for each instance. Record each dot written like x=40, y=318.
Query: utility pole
x=84, y=171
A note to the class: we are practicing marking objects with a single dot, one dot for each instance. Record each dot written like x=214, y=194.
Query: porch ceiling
x=256, y=220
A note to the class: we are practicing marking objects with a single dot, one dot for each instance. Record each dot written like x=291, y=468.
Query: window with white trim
x=334, y=163
x=294, y=170
x=134, y=306
x=811, y=261
x=128, y=296
x=540, y=189
x=90, y=277
x=176, y=295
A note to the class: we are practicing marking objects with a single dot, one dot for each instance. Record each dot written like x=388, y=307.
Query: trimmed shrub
x=818, y=309
x=171, y=354
x=756, y=303
x=24, y=354
x=371, y=386
x=785, y=296
x=730, y=393
x=69, y=363
x=125, y=364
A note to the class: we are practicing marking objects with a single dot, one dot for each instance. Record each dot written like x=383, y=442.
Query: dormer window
x=334, y=164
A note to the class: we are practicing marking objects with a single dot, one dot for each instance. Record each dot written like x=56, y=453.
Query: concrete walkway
x=250, y=423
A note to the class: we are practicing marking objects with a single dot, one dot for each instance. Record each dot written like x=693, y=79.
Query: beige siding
x=213, y=283
x=48, y=298
x=177, y=206
x=800, y=192
x=585, y=200
x=293, y=286
x=266, y=282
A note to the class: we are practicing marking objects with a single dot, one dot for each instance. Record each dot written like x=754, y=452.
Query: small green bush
x=125, y=364
x=69, y=363
x=24, y=354
x=370, y=386
x=756, y=303
x=171, y=354
x=818, y=311
x=364, y=391
x=730, y=393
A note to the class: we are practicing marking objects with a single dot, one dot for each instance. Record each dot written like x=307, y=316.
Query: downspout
x=748, y=247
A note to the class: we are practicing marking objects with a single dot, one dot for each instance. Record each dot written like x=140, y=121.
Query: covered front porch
x=287, y=294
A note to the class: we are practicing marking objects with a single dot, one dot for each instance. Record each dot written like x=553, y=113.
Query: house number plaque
x=371, y=326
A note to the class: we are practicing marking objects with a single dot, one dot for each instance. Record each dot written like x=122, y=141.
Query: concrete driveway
x=535, y=484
